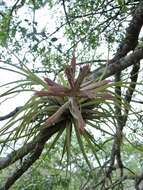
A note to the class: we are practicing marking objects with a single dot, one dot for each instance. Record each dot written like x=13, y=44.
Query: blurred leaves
x=4, y=28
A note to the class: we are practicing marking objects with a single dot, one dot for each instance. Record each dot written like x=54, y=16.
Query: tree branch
x=118, y=65
x=132, y=33
x=131, y=88
x=129, y=43
x=24, y=167
x=44, y=135
x=10, y=114
x=115, y=66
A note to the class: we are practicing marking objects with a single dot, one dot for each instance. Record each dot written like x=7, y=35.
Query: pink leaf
x=44, y=93
x=50, y=82
x=87, y=94
x=58, y=89
x=95, y=85
x=82, y=74
x=73, y=64
x=77, y=114
x=93, y=95
x=70, y=76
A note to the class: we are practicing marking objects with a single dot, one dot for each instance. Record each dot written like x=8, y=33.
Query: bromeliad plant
x=75, y=105
x=77, y=102
x=74, y=95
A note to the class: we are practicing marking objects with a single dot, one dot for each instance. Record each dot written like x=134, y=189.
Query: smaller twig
x=137, y=101
x=67, y=18
x=10, y=15
x=138, y=180
x=10, y=114
x=119, y=181
x=92, y=61
x=131, y=88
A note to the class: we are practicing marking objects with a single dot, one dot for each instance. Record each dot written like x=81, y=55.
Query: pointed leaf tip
x=49, y=81
x=73, y=64
x=69, y=75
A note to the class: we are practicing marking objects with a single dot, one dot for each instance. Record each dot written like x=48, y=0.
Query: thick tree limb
x=118, y=65
x=34, y=149
x=129, y=43
x=24, y=167
x=44, y=135
x=16, y=155
x=132, y=33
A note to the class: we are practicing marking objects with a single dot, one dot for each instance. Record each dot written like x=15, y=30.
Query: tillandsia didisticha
x=75, y=90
